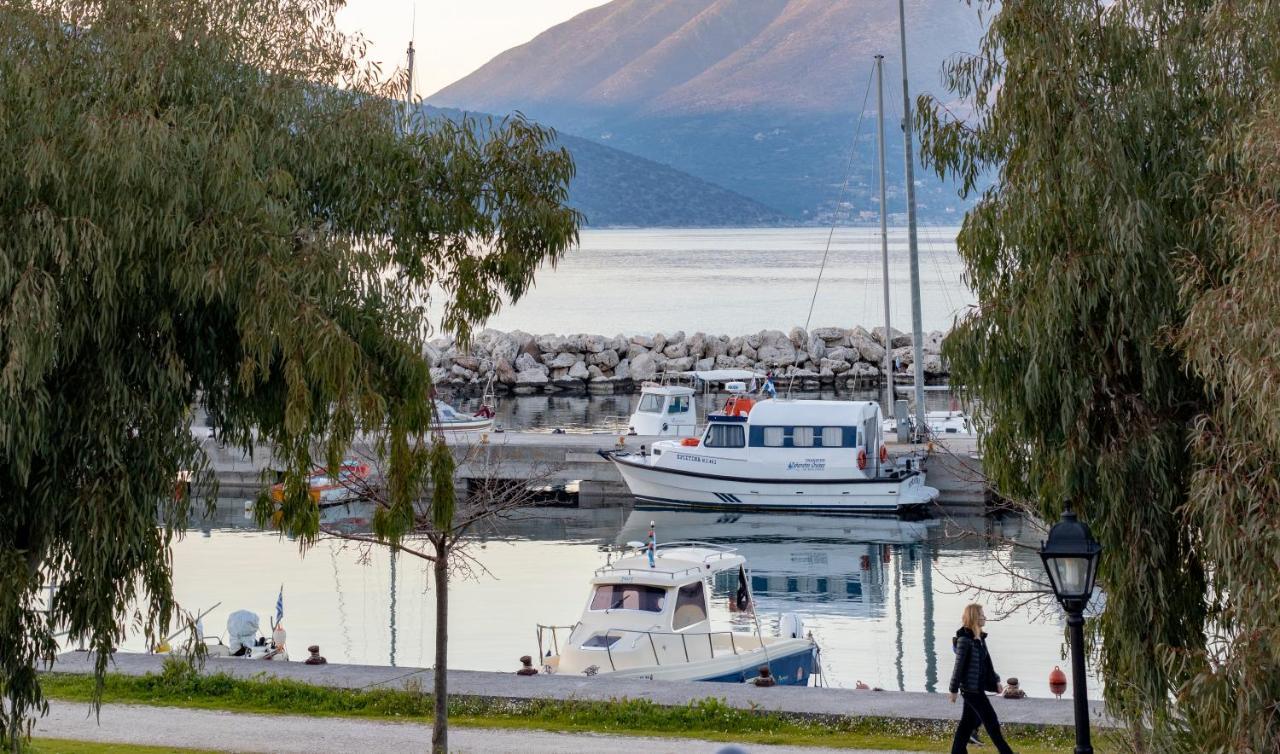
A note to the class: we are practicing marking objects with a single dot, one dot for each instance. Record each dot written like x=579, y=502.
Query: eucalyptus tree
x=218, y=203
x=1125, y=337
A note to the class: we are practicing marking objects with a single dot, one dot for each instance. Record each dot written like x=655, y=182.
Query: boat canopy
x=674, y=563
x=724, y=375
x=656, y=389
x=812, y=413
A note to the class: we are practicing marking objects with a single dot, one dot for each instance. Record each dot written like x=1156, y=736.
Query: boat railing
x=687, y=640
x=554, y=638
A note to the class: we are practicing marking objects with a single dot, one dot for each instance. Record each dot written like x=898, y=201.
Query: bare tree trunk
x=440, y=725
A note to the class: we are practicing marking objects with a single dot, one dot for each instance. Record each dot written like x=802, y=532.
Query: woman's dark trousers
x=978, y=709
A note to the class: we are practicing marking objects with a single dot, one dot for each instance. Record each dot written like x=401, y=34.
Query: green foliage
x=1125, y=335
x=217, y=203
x=180, y=686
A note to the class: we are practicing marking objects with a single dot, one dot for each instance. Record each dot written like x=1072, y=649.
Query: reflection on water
x=877, y=593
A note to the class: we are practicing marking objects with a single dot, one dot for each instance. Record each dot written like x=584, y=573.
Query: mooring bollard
x=526, y=666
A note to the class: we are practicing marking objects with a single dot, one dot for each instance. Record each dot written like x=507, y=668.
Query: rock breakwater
x=523, y=363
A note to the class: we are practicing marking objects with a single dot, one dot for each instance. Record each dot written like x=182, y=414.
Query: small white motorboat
x=779, y=455
x=243, y=638
x=670, y=410
x=449, y=419
x=647, y=616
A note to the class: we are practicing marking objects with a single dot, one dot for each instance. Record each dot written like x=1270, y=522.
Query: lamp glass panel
x=1072, y=575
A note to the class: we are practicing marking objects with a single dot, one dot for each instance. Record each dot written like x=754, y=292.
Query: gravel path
x=240, y=732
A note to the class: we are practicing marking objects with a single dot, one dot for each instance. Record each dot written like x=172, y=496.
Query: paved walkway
x=288, y=734
x=815, y=702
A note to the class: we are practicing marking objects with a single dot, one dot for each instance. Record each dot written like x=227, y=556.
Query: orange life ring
x=884, y=454
x=862, y=458
x=689, y=442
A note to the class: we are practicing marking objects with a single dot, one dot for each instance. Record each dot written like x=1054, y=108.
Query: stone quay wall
x=526, y=364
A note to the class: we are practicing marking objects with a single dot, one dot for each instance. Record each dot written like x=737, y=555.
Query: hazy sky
x=454, y=37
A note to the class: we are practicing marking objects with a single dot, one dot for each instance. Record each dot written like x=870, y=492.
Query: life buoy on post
x=884, y=454
x=862, y=458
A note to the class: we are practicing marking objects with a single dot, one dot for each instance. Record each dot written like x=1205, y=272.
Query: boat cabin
x=637, y=614
x=665, y=410
x=805, y=435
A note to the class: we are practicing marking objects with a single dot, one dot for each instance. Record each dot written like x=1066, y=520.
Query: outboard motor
x=790, y=626
x=242, y=632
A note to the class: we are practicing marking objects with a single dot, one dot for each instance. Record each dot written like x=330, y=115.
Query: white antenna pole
x=884, y=235
x=917, y=325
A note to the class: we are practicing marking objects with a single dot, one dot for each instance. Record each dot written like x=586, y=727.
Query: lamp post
x=1070, y=556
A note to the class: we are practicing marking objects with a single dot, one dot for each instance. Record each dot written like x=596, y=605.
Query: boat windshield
x=649, y=599
x=650, y=403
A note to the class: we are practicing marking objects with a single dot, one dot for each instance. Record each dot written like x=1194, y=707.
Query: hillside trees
x=218, y=203
x=1126, y=336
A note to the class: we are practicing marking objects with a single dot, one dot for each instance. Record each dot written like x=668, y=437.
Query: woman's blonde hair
x=972, y=612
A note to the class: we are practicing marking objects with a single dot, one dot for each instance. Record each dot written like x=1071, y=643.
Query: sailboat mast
x=884, y=236
x=917, y=324
x=408, y=95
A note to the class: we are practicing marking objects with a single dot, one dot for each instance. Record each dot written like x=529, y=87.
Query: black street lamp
x=1070, y=557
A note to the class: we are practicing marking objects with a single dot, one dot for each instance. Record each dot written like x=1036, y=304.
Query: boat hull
x=469, y=425
x=791, y=662
x=685, y=489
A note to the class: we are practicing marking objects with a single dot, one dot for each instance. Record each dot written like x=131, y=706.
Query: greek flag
x=770, y=389
x=280, y=606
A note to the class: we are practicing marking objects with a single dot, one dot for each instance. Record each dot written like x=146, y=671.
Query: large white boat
x=648, y=616
x=782, y=455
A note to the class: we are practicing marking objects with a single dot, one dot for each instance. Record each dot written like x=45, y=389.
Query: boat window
x=773, y=437
x=650, y=599
x=691, y=607
x=802, y=437
x=601, y=641
x=725, y=436
x=832, y=437
x=679, y=405
x=650, y=403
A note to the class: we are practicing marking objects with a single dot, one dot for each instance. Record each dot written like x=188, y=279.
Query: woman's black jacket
x=973, y=671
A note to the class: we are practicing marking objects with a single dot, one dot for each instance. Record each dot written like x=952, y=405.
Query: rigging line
x=933, y=241
x=844, y=187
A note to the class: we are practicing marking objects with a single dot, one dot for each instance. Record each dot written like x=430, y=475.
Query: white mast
x=917, y=325
x=408, y=95
x=884, y=235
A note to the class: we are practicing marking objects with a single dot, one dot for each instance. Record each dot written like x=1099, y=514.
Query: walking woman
x=973, y=677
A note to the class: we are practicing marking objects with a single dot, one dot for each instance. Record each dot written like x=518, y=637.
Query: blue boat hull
x=788, y=670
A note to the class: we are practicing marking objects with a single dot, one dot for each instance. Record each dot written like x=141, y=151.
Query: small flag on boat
x=653, y=544
x=769, y=388
x=280, y=606
x=754, y=386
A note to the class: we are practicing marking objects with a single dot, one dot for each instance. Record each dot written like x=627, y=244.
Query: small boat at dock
x=332, y=489
x=648, y=616
x=449, y=419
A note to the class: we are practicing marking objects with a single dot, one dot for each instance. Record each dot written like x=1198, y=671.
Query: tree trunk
x=440, y=725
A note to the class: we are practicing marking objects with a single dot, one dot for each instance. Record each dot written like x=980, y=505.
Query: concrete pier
x=818, y=703
x=953, y=466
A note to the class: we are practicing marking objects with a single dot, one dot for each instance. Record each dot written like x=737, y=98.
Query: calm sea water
x=737, y=281
x=882, y=596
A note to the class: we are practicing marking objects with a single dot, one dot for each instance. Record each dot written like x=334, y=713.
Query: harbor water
x=882, y=596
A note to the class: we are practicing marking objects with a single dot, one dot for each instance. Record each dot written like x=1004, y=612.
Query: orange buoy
x=862, y=458
x=689, y=442
x=1057, y=681
x=884, y=454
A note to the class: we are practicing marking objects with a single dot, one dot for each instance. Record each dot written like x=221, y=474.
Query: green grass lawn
x=179, y=686
x=63, y=746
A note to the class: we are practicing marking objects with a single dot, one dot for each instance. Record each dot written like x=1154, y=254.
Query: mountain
x=762, y=97
x=613, y=188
